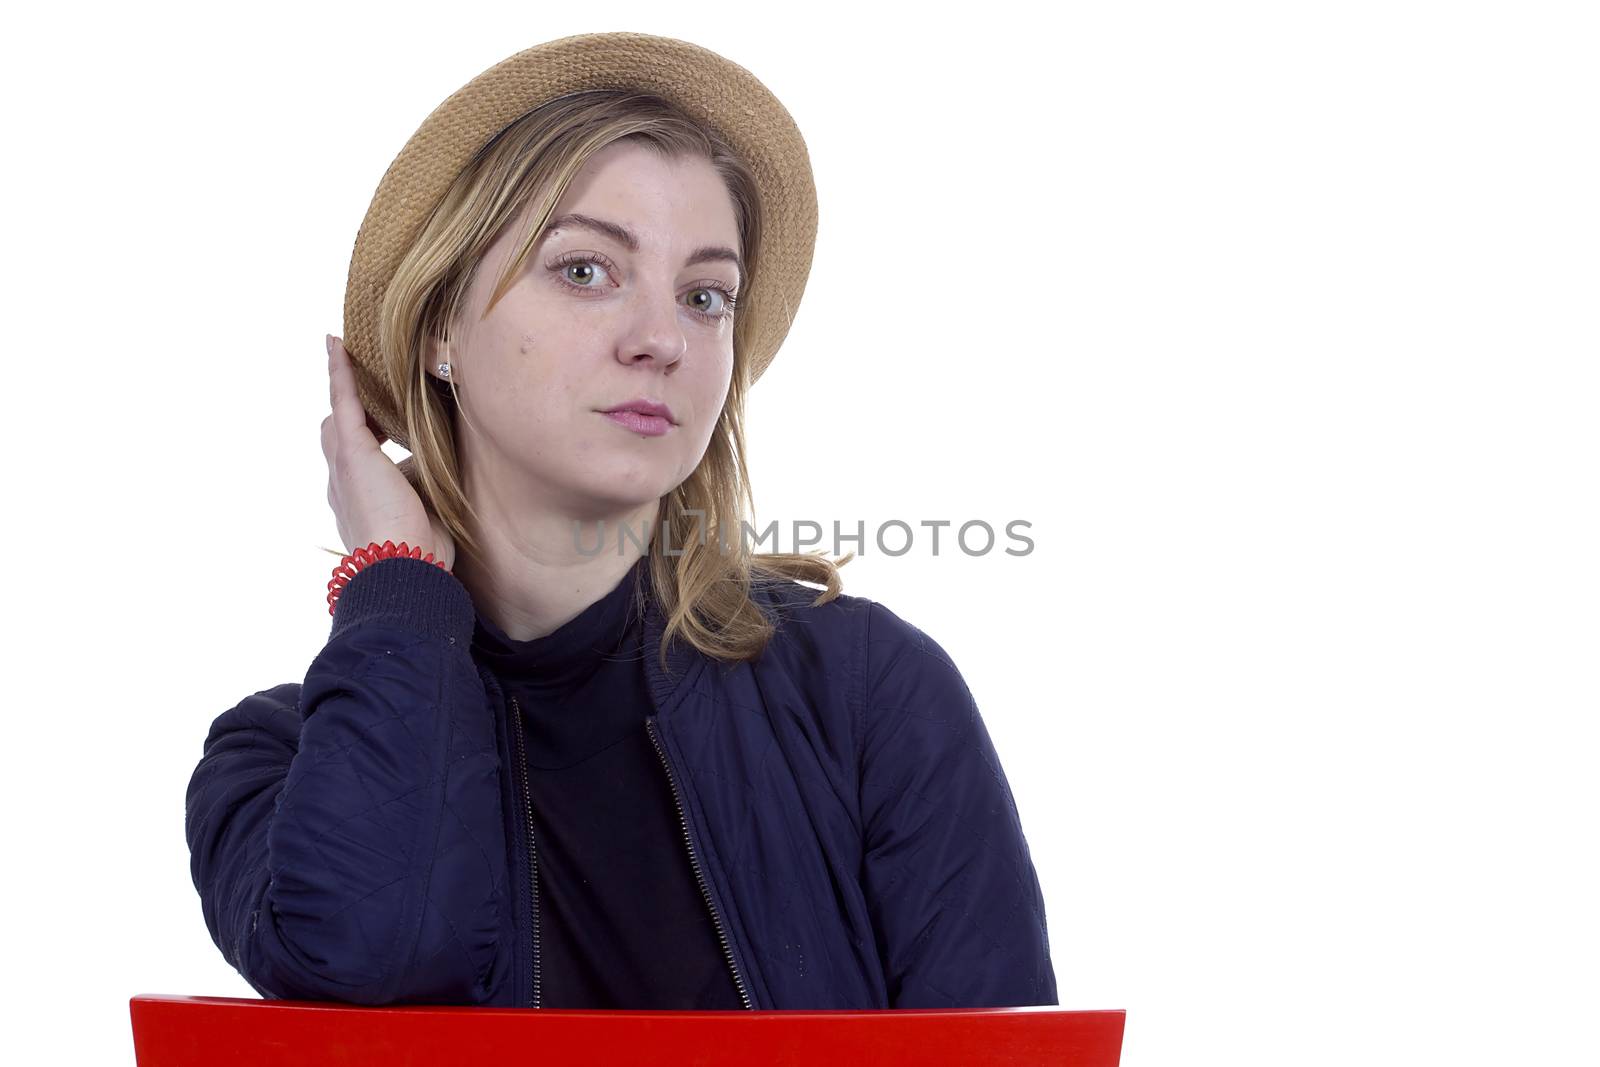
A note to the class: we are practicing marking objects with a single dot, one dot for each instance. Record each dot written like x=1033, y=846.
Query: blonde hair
x=704, y=592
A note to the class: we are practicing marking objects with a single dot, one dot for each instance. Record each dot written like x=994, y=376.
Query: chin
x=610, y=479
x=624, y=493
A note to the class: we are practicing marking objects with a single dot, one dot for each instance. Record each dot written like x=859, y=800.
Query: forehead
x=632, y=161
x=659, y=199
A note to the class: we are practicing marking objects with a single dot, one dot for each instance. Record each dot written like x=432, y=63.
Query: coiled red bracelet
x=352, y=564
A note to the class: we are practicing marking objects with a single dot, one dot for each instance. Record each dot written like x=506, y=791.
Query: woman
x=574, y=743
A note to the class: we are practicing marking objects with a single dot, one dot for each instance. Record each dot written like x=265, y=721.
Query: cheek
x=709, y=401
x=714, y=388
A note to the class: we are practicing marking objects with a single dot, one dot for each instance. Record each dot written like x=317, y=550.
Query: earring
x=444, y=370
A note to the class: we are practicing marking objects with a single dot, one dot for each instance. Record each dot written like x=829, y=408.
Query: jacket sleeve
x=954, y=900
x=348, y=846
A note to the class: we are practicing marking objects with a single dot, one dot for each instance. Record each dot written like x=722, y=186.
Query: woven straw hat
x=714, y=90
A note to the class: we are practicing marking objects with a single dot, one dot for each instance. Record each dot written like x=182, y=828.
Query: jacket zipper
x=727, y=952
x=533, y=853
x=694, y=861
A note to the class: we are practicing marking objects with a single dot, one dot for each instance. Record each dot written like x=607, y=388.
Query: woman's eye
x=712, y=302
x=581, y=273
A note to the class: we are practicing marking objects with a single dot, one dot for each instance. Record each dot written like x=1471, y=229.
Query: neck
x=540, y=570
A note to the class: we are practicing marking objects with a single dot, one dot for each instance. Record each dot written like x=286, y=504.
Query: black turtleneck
x=622, y=922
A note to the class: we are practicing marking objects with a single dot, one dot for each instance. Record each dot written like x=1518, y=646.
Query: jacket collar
x=668, y=686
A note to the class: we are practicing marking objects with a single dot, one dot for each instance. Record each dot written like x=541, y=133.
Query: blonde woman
x=580, y=745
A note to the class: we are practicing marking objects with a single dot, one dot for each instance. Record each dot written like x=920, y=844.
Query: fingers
x=348, y=415
x=348, y=412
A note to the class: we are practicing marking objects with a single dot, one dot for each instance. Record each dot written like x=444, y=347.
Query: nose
x=654, y=332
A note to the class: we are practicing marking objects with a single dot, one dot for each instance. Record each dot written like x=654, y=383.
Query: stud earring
x=444, y=370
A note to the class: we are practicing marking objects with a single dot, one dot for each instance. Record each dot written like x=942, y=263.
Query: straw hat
x=703, y=84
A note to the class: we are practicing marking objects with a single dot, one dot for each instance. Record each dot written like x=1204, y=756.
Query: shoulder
x=274, y=711
x=259, y=735
x=886, y=649
x=798, y=619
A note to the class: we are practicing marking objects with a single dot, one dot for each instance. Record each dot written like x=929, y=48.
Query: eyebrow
x=627, y=239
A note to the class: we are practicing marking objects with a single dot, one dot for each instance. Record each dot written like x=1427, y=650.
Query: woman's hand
x=371, y=499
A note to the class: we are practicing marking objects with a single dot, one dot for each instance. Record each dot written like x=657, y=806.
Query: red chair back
x=178, y=1031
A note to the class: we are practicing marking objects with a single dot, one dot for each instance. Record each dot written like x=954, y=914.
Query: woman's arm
x=951, y=887
x=348, y=846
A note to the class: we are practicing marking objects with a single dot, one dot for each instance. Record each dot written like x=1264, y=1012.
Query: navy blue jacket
x=362, y=837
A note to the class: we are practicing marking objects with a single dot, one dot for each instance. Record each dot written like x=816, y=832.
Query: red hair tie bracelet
x=353, y=563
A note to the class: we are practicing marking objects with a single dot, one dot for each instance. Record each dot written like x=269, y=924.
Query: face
x=596, y=321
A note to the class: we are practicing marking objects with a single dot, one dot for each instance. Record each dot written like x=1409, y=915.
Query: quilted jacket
x=363, y=836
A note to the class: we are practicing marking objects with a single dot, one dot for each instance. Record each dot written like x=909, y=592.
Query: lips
x=643, y=406
x=639, y=422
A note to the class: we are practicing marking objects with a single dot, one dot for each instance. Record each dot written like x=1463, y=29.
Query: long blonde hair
x=704, y=588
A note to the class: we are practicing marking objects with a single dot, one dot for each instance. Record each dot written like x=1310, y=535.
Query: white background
x=1277, y=322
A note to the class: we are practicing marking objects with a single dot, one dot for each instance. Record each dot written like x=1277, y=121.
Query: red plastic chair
x=177, y=1031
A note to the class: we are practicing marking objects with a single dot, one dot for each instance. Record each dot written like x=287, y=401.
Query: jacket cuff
x=407, y=594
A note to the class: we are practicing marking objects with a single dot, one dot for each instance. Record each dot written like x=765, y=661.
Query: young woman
x=575, y=743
